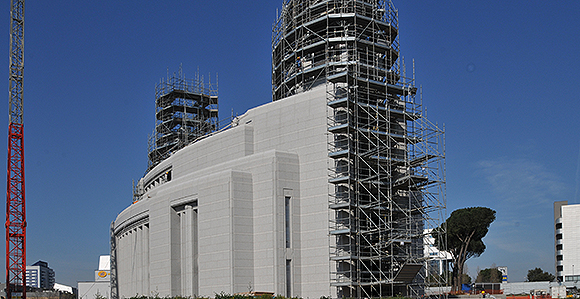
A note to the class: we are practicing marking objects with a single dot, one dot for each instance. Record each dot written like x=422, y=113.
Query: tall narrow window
x=288, y=278
x=287, y=219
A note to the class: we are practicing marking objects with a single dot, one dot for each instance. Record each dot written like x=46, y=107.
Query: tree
x=489, y=275
x=538, y=274
x=465, y=278
x=464, y=229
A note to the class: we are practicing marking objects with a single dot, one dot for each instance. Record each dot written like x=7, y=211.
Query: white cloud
x=521, y=183
x=522, y=192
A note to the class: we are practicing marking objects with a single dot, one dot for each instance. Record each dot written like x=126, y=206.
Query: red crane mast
x=15, y=203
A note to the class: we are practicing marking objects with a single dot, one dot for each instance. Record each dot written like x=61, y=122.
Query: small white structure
x=101, y=286
x=64, y=288
x=558, y=291
x=504, y=273
x=437, y=261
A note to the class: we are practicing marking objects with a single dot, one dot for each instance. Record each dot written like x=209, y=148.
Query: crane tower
x=15, y=203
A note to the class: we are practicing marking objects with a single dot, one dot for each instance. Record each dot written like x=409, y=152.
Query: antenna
x=413, y=70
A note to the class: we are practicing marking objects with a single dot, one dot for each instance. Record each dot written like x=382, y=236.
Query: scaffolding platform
x=185, y=110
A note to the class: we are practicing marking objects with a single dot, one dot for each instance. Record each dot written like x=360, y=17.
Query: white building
x=64, y=288
x=101, y=285
x=437, y=261
x=325, y=191
x=567, y=241
x=39, y=275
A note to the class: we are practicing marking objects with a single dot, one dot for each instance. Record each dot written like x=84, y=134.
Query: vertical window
x=287, y=219
x=288, y=278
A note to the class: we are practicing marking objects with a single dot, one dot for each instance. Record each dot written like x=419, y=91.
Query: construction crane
x=15, y=203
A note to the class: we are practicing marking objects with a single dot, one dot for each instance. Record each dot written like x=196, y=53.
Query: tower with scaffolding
x=185, y=110
x=386, y=160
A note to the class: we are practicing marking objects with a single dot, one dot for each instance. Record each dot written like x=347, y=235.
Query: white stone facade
x=243, y=209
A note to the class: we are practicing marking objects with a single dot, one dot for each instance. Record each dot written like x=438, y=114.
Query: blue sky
x=501, y=76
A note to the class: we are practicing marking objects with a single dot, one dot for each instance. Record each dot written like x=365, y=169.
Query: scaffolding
x=185, y=110
x=386, y=160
